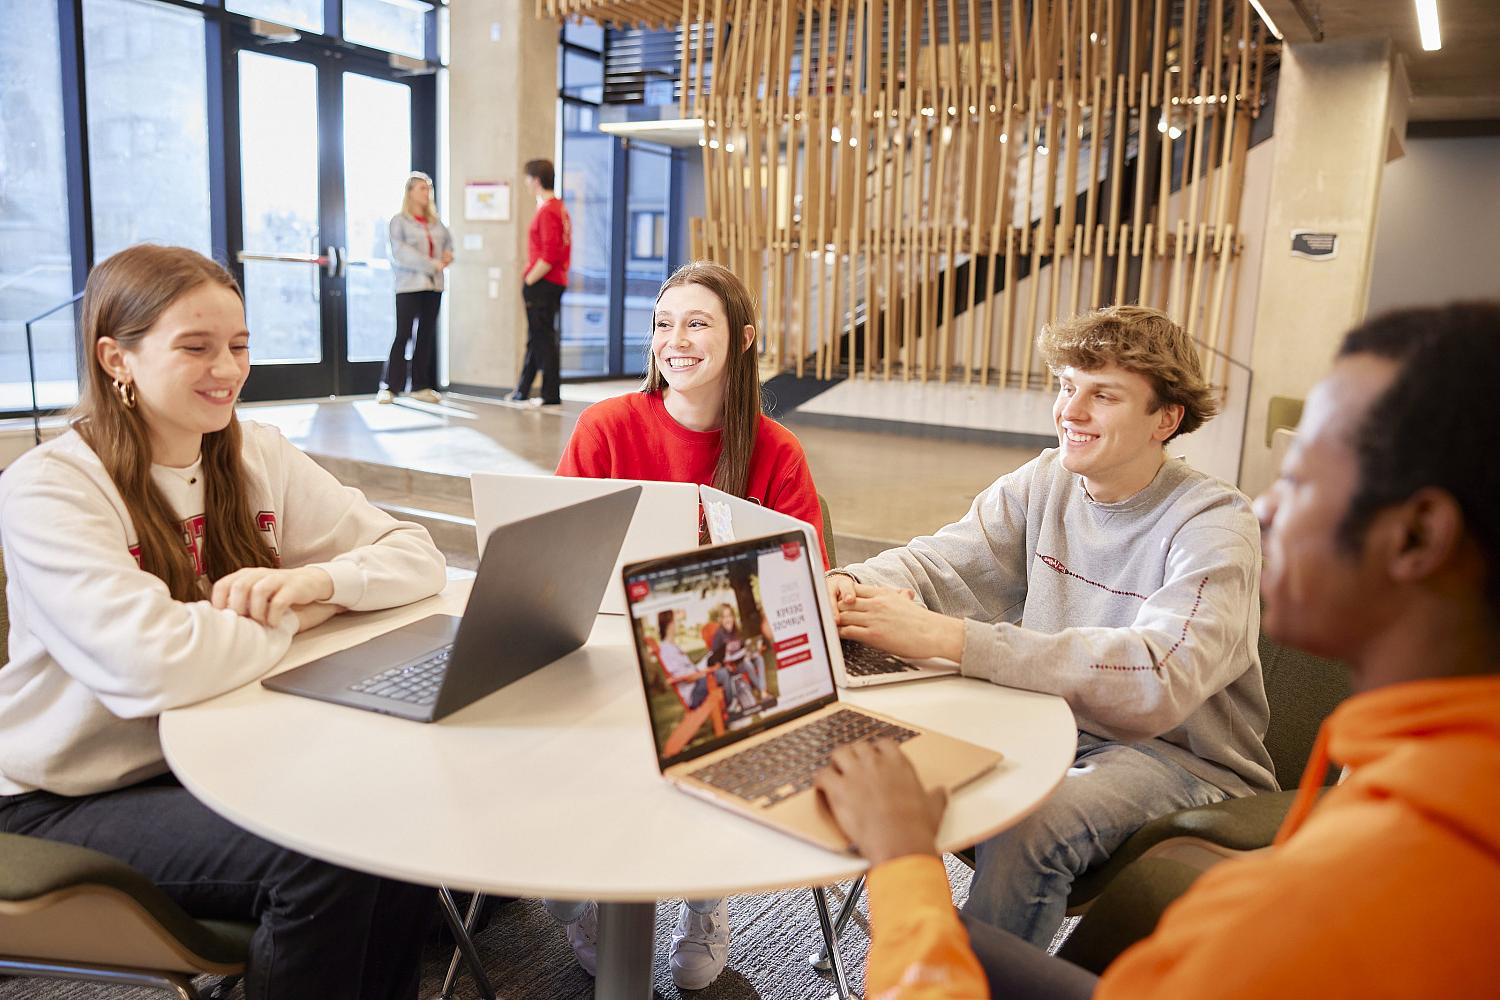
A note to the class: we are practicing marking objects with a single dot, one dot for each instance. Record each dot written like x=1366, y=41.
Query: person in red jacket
x=1382, y=549
x=696, y=419
x=549, y=250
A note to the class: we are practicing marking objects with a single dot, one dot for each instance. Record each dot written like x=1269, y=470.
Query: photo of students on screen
x=726, y=641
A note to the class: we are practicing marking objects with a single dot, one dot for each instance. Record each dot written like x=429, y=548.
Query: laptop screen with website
x=729, y=641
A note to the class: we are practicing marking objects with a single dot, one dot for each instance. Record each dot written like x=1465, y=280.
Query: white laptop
x=666, y=518
x=854, y=664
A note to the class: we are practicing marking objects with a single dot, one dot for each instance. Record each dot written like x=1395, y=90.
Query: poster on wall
x=487, y=201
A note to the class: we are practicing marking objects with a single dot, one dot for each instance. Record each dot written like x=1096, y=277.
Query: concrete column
x=502, y=112
x=1340, y=113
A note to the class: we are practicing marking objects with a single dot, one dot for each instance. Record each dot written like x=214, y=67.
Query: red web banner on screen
x=786, y=590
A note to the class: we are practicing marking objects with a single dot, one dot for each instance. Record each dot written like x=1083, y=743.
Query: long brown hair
x=741, y=374
x=123, y=299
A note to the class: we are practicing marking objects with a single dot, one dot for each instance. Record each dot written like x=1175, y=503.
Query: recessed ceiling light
x=1427, y=23
x=1266, y=18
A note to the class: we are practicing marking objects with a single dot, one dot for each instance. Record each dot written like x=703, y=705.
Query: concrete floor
x=881, y=487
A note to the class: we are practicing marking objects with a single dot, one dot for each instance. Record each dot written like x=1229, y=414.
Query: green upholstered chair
x=67, y=912
x=827, y=531
x=1301, y=690
x=1123, y=898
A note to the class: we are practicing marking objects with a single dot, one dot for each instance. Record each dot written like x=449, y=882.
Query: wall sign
x=1314, y=245
x=487, y=201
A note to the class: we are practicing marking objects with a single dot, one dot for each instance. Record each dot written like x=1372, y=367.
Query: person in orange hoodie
x=1382, y=548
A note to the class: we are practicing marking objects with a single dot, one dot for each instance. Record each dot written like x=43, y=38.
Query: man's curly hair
x=1140, y=340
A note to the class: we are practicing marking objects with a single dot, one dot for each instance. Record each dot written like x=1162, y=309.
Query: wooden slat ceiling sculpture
x=930, y=141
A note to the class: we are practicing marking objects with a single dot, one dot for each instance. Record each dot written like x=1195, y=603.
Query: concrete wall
x=1338, y=107
x=502, y=88
x=1435, y=234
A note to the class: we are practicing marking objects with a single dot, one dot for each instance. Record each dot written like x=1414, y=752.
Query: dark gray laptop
x=534, y=599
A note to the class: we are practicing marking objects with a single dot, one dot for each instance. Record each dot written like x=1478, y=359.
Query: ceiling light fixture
x=1267, y=18
x=1427, y=23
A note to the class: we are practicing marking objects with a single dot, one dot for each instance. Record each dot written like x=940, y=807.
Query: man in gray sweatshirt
x=1108, y=574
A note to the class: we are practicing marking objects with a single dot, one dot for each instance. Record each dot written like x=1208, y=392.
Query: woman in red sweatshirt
x=696, y=419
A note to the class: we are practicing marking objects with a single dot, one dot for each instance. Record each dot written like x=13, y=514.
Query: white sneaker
x=385, y=396
x=700, y=946
x=583, y=935
x=427, y=395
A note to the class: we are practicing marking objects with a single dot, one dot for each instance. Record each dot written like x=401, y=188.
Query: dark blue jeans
x=325, y=932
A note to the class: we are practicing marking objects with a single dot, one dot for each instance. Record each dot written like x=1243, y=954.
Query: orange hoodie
x=1389, y=888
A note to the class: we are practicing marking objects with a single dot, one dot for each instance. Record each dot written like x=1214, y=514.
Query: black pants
x=325, y=932
x=420, y=308
x=543, y=350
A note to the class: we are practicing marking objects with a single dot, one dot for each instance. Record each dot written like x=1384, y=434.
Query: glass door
x=325, y=141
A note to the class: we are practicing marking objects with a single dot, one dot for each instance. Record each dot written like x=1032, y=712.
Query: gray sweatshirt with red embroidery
x=1143, y=614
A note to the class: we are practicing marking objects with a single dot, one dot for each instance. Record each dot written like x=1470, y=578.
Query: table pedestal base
x=627, y=934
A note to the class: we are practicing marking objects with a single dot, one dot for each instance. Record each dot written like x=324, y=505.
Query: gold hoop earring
x=126, y=392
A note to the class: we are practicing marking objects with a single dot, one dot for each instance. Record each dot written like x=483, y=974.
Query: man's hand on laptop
x=892, y=620
x=875, y=797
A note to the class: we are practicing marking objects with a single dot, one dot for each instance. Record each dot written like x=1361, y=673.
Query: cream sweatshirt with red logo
x=99, y=648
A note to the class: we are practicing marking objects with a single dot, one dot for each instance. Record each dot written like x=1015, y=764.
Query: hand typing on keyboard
x=877, y=800
x=891, y=620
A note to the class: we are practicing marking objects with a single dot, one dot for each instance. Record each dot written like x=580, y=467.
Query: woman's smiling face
x=691, y=340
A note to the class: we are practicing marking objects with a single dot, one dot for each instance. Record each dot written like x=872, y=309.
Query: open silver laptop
x=854, y=663
x=738, y=678
x=534, y=601
x=666, y=518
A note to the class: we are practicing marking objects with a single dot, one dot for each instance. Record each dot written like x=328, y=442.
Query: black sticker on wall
x=1314, y=245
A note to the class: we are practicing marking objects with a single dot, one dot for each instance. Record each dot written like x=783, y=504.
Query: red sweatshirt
x=550, y=238
x=634, y=437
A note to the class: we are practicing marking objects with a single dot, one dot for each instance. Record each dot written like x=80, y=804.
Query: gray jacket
x=412, y=269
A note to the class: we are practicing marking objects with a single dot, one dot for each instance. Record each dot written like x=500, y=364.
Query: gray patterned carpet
x=527, y=956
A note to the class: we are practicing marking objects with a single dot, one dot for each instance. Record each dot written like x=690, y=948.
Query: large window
x=587, y=187
x=377, y=159
x=293, y=13
x=619, y=195
x=148, y=125
x=393, y=25
x=36, y=269
x=129, y=121
x=279, y=194
x=649, y=189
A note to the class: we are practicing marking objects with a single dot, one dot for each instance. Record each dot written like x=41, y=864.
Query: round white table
x=549, y=787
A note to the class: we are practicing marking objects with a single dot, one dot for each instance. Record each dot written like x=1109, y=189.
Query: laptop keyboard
x=781, y=767
x=864, y=661
x=415, y=683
